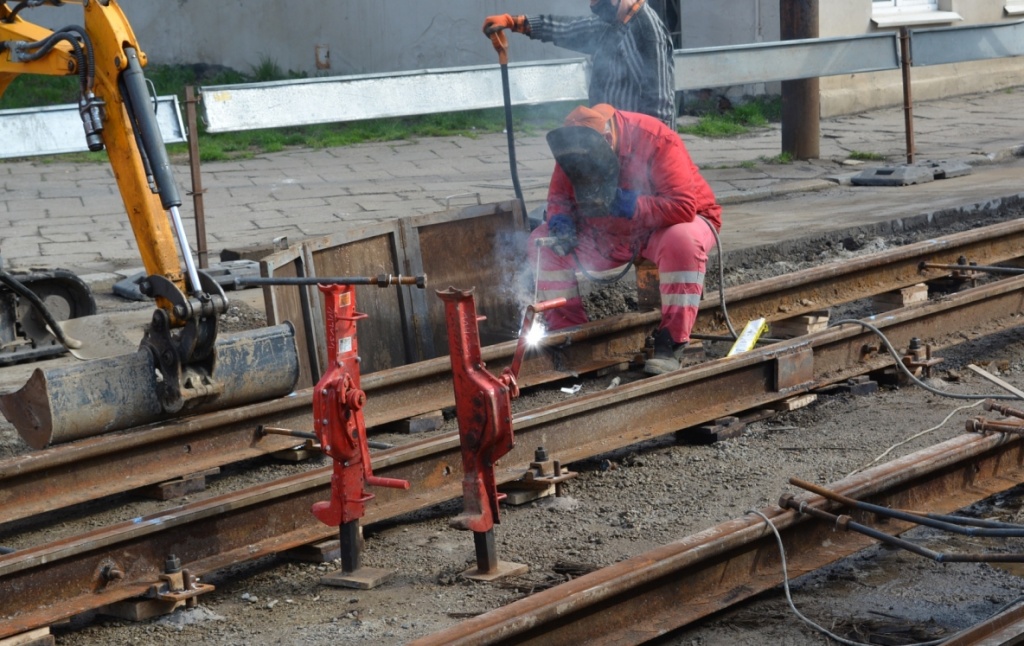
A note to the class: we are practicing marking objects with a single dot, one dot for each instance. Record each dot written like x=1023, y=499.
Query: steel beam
x=971, y=43
x=54, y=130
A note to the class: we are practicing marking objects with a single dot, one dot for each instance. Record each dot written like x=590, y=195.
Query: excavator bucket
x=63, y=404
x=106, y=335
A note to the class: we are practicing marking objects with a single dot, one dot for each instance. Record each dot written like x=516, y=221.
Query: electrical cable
x=721, y=277
x=793, y=606
x=906, y=371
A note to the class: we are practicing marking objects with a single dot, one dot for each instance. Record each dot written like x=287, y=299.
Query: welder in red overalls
x=625, y=188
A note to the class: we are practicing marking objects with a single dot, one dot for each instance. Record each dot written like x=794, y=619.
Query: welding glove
x=624, y=204
x=563, y=230
x=517, y=24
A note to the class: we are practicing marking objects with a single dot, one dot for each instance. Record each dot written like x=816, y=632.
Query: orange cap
x=598, y=118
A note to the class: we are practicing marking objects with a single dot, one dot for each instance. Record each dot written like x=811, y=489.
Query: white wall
x=860, y=92
x=394, y=35
x=362, y=37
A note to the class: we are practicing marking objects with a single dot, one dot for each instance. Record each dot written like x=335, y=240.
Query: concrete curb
x=775, y=190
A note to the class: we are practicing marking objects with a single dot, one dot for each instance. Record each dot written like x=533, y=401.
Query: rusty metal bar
x=820, y=287
x=689, y=579
x=60, y=578
x=1005, y=628
x=78, y=472
x=949, y=524
x=202, y=251
x=846, y=523
x=908, y=101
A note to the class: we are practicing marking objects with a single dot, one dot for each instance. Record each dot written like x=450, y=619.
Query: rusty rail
x=70, y=474
x=647, y=596
x=48, y=582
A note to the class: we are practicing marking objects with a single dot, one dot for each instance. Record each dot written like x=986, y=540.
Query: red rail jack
x=338, y=422
x=483, y=406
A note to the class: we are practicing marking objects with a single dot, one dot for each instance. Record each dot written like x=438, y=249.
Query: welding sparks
x=535, y=334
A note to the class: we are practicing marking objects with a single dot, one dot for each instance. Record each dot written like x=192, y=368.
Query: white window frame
x=904, y=13
x=880, y=7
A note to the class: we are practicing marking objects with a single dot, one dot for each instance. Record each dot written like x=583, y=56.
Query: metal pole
x=801, y=129
x=486, y=552
x=908, y=103
x=191, y=100
x=350, y=548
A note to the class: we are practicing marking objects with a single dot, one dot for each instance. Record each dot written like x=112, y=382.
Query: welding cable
x=721, y=277
x=792, y=606
x=789, y=598
x=605, y=281
x=906, y=370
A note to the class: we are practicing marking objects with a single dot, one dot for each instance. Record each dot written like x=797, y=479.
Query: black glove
x=563, y=230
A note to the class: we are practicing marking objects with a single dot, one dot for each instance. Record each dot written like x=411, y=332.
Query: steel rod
x=1006, y=531
x=908, y=101
x=985, y=269
x=847, y=524
x=384, y=280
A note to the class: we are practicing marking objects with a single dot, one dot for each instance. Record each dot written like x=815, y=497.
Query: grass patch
x=37, y=90
x=738, y=120
x=863, y=156
x=781, y=158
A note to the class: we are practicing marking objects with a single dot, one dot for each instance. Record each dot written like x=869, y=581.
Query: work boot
x=667, y=354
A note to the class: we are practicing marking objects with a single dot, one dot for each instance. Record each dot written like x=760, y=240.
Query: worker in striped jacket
x=629, y=47
x=624, y=188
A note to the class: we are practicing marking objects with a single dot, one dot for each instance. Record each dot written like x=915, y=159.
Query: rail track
x=48, y=582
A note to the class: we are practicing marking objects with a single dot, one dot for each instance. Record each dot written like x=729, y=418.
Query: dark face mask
x=605, y=10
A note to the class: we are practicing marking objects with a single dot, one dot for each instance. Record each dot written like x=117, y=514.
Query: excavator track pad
x=24, y=334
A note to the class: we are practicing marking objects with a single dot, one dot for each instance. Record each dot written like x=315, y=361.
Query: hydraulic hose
x=37, y=304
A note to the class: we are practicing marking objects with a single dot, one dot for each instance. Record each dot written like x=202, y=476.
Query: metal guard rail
x=277, y=104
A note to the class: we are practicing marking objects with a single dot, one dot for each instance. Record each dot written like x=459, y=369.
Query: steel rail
x=48, y=582
x=65, y=475
x=1005, y=628
x=671, y=586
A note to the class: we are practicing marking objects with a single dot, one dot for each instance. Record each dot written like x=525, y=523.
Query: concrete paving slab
x=310, y=193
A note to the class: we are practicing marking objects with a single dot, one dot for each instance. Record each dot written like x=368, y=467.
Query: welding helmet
x=592, y=166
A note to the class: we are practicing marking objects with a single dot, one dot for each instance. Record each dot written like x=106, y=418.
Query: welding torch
x=524, y=333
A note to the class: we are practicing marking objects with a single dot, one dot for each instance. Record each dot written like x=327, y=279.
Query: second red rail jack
x=483, y=406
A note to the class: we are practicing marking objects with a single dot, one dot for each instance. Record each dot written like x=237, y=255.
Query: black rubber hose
x=507, y=96
x=604, y=281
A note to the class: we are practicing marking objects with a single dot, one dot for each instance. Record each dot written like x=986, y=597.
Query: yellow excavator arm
x=101, y=55
x=177, y=357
